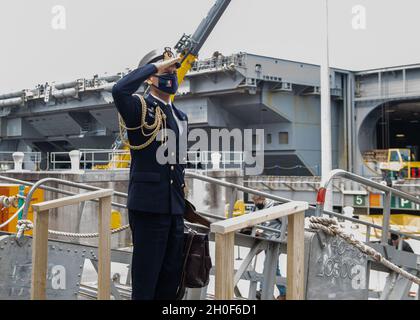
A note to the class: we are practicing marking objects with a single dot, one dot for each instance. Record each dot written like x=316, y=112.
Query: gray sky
x=108, y=36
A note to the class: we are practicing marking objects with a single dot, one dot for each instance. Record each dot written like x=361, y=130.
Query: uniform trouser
x=156, y=268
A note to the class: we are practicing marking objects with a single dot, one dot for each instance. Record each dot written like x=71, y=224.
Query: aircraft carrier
x=372, y=109
x=64, y=174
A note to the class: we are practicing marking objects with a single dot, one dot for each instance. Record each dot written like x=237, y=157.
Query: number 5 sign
x=359, y=201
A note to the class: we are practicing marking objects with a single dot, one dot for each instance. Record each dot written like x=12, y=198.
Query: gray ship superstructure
x=238, y=91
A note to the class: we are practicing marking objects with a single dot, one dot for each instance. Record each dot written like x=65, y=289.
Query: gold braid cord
x=331, y=227
x=154, y=128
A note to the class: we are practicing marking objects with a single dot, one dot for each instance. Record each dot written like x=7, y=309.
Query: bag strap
x=192, y=216
x=181, y=287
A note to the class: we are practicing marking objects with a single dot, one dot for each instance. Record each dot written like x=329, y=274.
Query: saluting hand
x=167, y=65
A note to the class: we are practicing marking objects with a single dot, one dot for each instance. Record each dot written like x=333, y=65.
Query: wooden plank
x=104, y=250
x=224, y=266
x=39, y=255
x=249, y=220
x=295, y=257
x=66, y=201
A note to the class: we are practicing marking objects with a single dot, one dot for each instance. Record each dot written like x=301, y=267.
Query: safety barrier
x=15, y=160
x=40, y=241
x=90, y=159
x=233, y=187
x=219, y=62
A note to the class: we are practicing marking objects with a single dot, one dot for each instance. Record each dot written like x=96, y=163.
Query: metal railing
x=388, y=191
x=219, y=62
x=201, y=160
x=90, y=158
x=235, y=187
x=7, y=162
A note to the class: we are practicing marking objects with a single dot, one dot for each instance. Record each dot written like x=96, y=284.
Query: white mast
x=326, y=148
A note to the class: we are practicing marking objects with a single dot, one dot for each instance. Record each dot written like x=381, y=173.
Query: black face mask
x=394, y=237
x=260, y=206
x=168, y=83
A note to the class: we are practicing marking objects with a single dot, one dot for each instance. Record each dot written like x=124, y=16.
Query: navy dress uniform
x=156, y=192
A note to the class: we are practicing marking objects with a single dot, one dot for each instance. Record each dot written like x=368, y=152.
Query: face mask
x=168, y=83
x=260, y=206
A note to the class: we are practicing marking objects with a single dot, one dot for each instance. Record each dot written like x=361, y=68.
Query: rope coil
x=331, y=227
x=7, y=202
x=22, y=226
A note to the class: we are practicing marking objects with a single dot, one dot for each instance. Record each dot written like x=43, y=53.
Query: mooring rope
x=26, y=225
x=331, y=227
x=85, y=235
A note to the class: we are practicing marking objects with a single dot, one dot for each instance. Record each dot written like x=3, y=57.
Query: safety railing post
x=84, y=153
x=40, y=241
x=233, y=195
x=386, y=217
x=224, y=266
x=367, y=234
x=39, y=255
x=295, y=256
x=104, y=250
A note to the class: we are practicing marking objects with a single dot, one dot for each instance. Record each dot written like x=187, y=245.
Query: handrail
x=69, y=193
x=367, y=182
x=89, y=153
x=194, y=176
x=237, y=186
x=225, y=241
x=66, y=201
x=362, y=180
x=251, y=220
x=60, y=181
x=284, y=200
x=40, y=241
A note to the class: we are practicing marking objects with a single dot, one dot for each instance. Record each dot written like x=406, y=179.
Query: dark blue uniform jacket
x=153, y=187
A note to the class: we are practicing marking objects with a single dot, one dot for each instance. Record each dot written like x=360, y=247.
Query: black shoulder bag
x=197, y=261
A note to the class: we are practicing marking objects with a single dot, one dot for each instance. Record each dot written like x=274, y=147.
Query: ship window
x=269, y=138
x=283, y=137
x=405, y=155
x=394, y=156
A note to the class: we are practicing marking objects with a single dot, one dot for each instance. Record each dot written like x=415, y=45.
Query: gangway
x=315, y=243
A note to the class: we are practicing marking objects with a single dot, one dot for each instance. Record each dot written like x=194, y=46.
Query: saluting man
x=156, y=201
